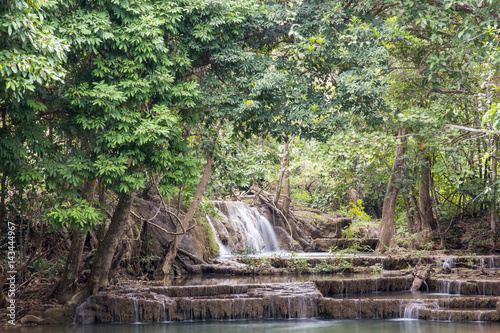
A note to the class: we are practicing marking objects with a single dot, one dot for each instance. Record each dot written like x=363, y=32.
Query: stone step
x=280, y=300
x=459, y=314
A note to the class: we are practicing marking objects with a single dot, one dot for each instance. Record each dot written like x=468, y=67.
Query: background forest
x=388, y=111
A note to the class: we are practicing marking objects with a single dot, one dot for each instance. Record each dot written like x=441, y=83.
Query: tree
x=440, y=52
x=30, y=57
x=123, y=101
x=391, y=195
x=131, y=95
x=308, y=71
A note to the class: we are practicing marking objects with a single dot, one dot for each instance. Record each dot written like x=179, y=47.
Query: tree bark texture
x=107, y=247
x=391, y=196
x=277, y=193
x=285, y=161
x=172, y=251
x=72, y=267
x=3, y=195
x=410, y=216
x=3, y=189
x=286, y=180
x=421, y=276
x=494, y=171
x=424, y=196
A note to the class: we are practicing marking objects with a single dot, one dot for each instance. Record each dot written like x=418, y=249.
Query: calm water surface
x=275, y=326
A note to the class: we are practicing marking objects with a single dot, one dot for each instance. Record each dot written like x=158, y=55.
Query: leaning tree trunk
x=72, y=267
x=172, y=251
x=107, y=247
x=391, y=196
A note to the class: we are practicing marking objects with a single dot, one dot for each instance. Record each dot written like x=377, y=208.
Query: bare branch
x=470, y=129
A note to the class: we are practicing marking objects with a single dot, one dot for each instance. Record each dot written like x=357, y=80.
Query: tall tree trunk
x=172, y=251
x=283, y=177
x=410, y=220
x=391, y=196
x=107, y=247
x=287, y=199
x=277, y=193
x=410, y=215
x=3, y=190
x=494, y=170
x=72, y=268
x=424, y=196
x=3, y=195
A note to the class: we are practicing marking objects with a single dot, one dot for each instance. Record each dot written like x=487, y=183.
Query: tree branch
x=470, y=129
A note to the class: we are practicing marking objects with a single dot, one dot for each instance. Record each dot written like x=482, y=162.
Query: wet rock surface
x=366, y=285
x=278, y=300
x=490, y=286
x=287, y=300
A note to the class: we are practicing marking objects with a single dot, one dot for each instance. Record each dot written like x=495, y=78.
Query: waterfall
x=245, y=229
x=82, y=315
x=259, y=231
x=136, y=309
x=412, y=309
x=444, y=286
x=448, y=263
x=224, y=251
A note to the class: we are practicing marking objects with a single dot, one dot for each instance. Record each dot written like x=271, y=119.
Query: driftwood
x=421, y=275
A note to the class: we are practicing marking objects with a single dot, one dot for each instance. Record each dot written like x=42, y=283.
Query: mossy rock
x=62, y=315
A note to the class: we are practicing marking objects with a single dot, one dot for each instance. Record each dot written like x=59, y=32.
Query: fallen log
x=421, y=275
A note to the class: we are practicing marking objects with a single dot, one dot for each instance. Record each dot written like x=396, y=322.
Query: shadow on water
x=275, y=326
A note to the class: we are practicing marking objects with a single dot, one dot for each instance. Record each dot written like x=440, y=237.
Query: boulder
x=30, y=319
x=62, y=315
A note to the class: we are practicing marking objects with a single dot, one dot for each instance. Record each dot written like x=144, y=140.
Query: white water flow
x=412, y=310
x=243, y=228
x=256, y=230
x=224, y=251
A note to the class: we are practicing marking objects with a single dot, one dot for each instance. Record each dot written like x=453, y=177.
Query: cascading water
x=224, y=251
x=248, y=229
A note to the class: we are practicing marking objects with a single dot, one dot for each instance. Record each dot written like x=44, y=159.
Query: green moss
x=210, y=242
